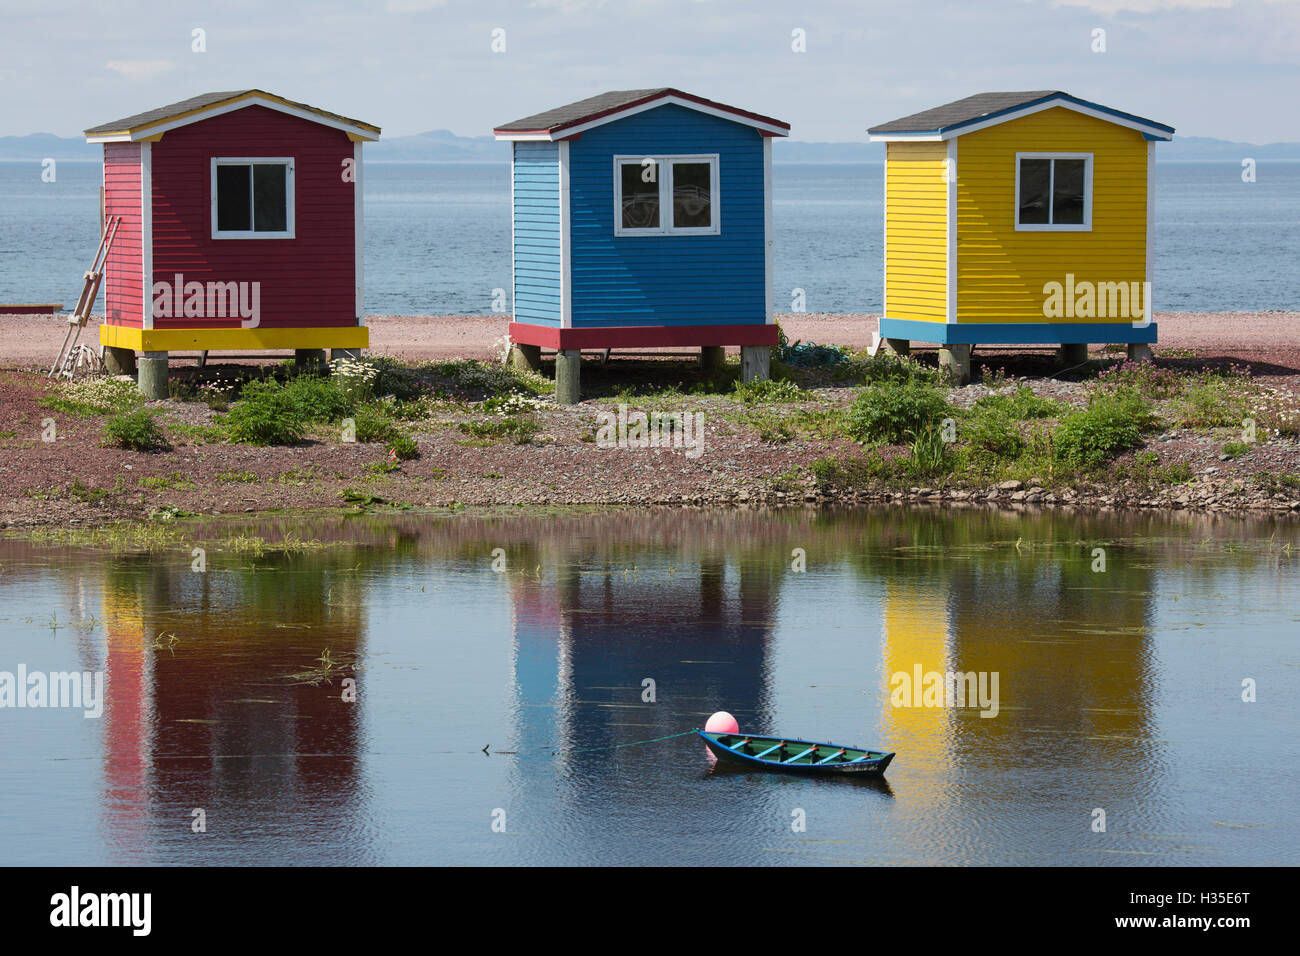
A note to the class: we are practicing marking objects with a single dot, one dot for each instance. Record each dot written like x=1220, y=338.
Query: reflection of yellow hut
x=916, y=635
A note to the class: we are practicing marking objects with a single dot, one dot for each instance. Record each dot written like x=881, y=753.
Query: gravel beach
x=78, y=481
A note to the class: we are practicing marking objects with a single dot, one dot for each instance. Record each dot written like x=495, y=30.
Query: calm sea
x=438, y=236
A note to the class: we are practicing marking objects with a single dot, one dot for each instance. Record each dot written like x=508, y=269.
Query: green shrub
x=1112, y=422
x=317, y=399
x=374, y=424
x=266, y=414
x=894, y=411
x=404, y=447
x=930, y=454
x=993, y=437
x=137, y=430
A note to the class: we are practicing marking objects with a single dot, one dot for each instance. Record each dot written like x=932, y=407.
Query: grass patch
x=175, y=480
x=519, y=428
x=1020, y=405
x=136, y=430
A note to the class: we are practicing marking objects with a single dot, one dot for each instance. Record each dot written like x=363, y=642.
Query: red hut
x=240, y=228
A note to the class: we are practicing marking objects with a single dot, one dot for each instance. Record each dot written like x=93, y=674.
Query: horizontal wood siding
x=123, y=282
x=537, y=233
x=667, y=280
x=916, y=218
x=307, y=281
x=1001, y=272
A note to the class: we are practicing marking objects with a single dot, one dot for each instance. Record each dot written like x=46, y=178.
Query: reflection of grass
x=258, y=546
x=124, y=536
x=325, y=670
x=166, y=642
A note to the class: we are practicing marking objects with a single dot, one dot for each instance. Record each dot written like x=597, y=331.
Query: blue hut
x=642, y=219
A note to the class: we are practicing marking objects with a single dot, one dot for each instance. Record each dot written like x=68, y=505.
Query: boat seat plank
x=830, y=758
x=769, y=750
x=800, y=755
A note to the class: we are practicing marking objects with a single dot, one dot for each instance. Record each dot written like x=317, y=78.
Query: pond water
x=1118, y=689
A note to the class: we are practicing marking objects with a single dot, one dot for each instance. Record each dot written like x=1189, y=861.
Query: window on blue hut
x=1054, y=192
x=640, y=201
x=666, y=195
x=252, y=199
x=692, y=195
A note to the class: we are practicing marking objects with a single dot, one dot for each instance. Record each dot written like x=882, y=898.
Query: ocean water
x=438, y=236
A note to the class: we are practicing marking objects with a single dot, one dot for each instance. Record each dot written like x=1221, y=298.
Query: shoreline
x=1272, y=337
x=761, y=449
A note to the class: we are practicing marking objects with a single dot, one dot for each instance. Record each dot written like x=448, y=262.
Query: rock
x=1019, y=496
x=1010, y=486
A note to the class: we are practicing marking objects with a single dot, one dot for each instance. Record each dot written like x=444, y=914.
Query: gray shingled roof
x=982, y=105
x=199, y=102
x=594, y=107
x=961, y=111
x=589, y=108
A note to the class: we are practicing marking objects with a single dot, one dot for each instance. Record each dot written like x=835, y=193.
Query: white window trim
x=665, y=161
x=1086, y=225
x=287, y=162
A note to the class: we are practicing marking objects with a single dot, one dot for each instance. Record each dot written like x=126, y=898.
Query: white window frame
x=1086, y=225
x=287, y=162
x=665, y=161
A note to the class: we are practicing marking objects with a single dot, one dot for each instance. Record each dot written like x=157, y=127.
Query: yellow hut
x=1018, y=218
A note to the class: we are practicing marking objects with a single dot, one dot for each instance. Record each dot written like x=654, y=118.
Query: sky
x=1222, y=68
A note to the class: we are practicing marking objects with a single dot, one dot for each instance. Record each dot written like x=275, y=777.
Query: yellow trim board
x=189, y=340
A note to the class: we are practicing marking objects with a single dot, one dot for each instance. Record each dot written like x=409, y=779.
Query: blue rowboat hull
x=784, y=755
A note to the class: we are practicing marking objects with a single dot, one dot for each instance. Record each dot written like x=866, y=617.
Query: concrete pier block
x=1072, y=354
x=527, y=358
x=119, y=361
x=1140, y=352
x=152, y=376
x=899, y=348
x=956, y=359
x=713, y=357
x=568, y=377
x=755, y=363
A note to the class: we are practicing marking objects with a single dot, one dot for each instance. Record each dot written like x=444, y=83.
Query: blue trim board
x=1016, y=333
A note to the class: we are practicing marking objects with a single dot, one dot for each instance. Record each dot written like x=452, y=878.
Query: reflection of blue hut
x=642, y=218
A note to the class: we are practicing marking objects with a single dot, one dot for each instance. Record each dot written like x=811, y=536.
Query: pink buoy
x=722, y=723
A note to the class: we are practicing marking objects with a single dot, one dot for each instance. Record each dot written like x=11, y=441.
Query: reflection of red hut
x=240, y=228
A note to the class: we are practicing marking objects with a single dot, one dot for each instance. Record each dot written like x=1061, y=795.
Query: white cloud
x=140, y=69
x=413, y=6
x=1144, y=6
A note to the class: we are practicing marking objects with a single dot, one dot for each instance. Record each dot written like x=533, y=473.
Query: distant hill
x=444, y=146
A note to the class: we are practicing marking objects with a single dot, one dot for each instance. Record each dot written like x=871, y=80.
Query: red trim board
x=642, y=336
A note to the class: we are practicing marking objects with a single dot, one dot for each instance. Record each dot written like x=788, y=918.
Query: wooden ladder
x=68, y=359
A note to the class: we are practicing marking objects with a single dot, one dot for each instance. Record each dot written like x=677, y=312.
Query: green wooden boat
x=794, y=756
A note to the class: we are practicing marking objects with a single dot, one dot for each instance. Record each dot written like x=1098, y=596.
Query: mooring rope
x=634, y=743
